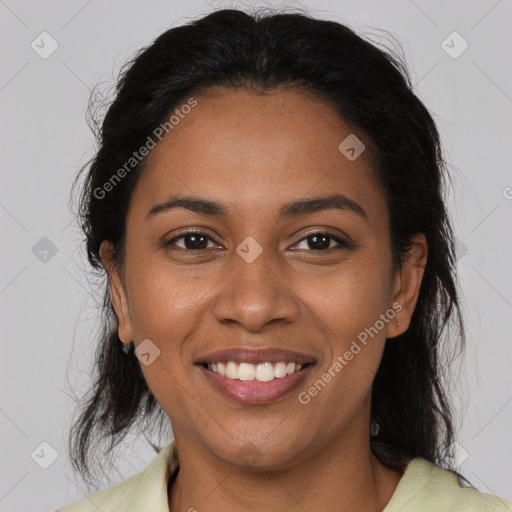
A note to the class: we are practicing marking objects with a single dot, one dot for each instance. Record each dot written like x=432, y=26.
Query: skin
x=253, y=153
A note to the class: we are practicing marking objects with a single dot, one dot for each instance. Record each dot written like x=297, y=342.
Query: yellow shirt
x=423, y=488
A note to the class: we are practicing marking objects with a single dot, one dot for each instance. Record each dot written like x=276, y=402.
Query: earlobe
x=408, y=282
x=117, y=292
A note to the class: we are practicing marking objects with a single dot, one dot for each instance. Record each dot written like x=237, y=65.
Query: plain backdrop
x=48, y=307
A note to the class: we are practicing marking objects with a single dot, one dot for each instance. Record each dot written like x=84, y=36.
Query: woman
x=267, y=204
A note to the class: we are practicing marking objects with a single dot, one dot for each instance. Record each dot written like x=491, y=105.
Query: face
x=251, y=272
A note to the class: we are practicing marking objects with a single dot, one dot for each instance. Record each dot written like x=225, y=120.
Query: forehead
x=255, y=151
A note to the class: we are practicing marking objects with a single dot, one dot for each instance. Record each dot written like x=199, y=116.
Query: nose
x=255, y=294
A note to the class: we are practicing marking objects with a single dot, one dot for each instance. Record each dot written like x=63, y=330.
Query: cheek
x=347, y=308
x=161, y=299
x=351, y=299
x=163, y=309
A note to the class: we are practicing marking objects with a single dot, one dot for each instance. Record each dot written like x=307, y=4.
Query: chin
x=258, y=453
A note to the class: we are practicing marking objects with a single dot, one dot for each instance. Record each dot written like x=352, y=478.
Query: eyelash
x=342, y=244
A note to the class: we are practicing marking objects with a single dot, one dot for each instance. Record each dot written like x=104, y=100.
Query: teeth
x=246, y=371
x=231, y=370
x=263, y=372
x=280, y=370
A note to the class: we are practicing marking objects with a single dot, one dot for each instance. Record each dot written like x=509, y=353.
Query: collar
x=151, y=490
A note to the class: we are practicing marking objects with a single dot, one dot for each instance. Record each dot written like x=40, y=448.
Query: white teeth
x=232, y=370
x=263, y=372
x=246, y=371
x=280, y=370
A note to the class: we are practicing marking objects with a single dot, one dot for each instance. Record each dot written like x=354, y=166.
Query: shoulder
x=110, y=499
x=146, y=490
x=425, y=487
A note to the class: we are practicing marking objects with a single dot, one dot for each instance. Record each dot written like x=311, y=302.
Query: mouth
x=255, y=376
x=262, y=372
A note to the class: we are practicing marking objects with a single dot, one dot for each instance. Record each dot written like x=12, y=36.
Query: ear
x=406, y=286
x=117, y=292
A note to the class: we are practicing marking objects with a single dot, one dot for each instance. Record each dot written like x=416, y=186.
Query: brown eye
x=321, y=242
x=192, y=241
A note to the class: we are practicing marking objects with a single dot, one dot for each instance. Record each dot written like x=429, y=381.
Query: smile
x=263, y=372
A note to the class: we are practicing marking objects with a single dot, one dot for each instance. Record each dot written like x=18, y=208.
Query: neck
x=343, y=476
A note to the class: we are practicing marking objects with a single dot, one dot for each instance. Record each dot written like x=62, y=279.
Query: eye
x=320, y=241
x=192, y=241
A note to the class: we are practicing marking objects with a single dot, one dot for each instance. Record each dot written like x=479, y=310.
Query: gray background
x=48, y=308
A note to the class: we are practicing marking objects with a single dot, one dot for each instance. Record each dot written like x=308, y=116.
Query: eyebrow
x=289, y=210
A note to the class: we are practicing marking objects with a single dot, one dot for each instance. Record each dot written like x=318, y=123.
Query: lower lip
x=254, y=391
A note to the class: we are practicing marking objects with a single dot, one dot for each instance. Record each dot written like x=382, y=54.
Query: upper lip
x=254, y=356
